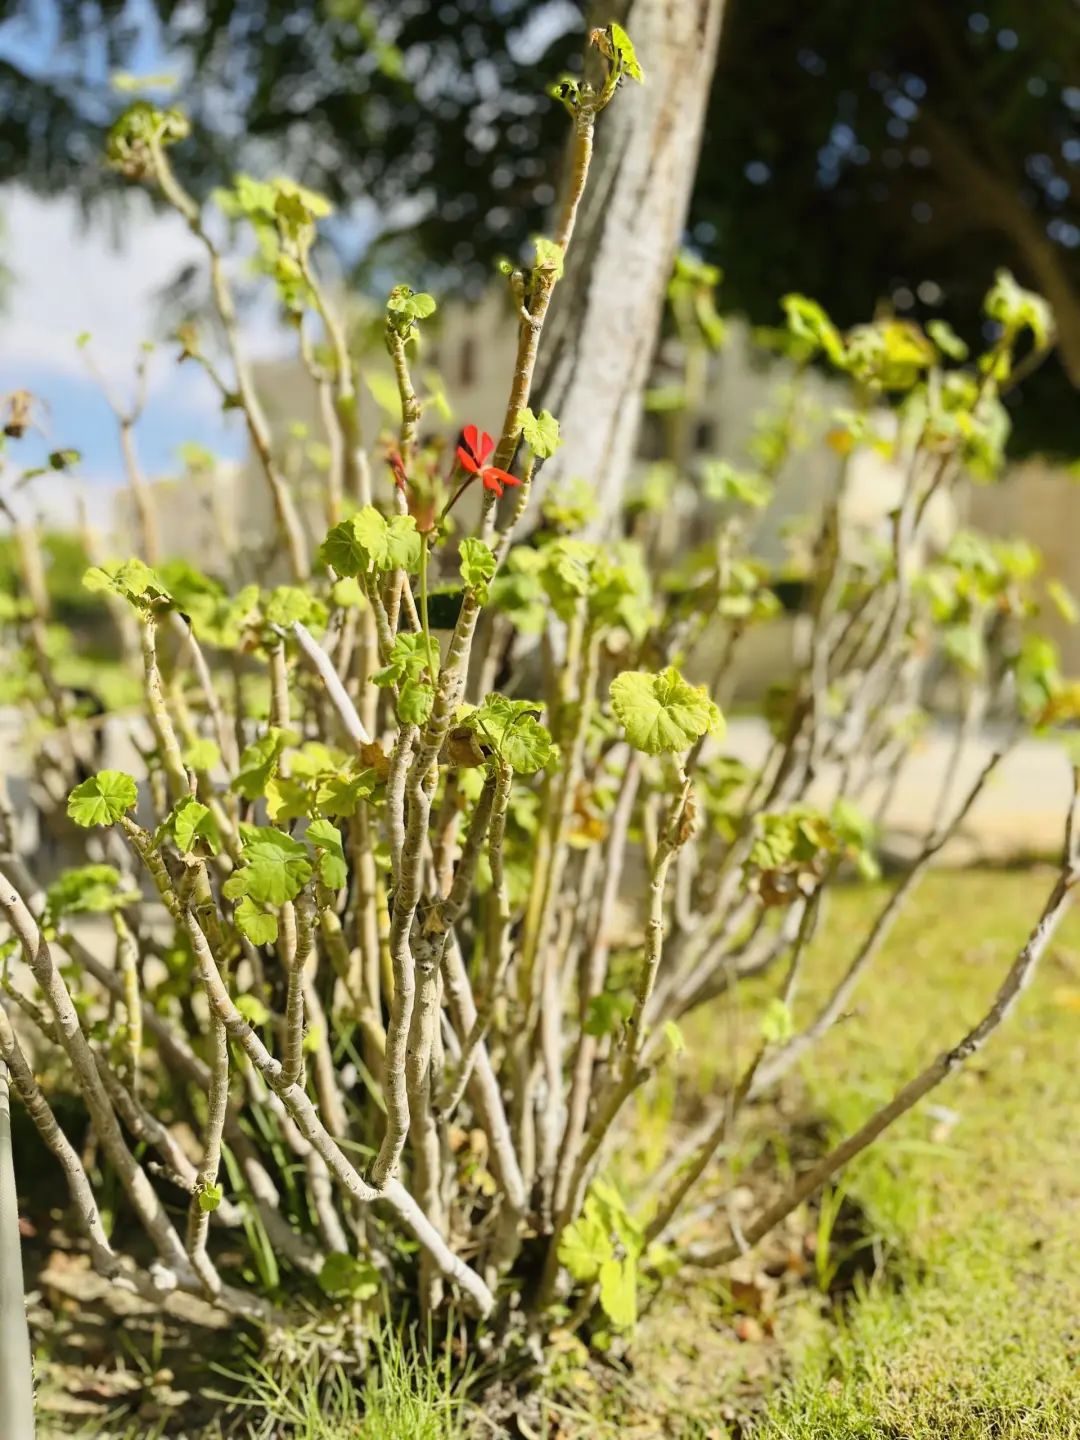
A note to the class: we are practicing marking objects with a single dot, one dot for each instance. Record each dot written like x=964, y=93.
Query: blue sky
x=69, y=278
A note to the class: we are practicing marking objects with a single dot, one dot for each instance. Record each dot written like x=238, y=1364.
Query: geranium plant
x=437, y=844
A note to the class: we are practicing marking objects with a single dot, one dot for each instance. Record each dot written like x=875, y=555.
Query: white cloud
x=105, y=279
x=70, y=278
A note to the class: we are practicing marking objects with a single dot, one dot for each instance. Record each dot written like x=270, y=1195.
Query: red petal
x=472, y=439
x=487, y=444
x=491, y=481
x=467, y=461
x=503, y=477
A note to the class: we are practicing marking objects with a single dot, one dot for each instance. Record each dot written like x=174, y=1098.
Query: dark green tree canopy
x=892, y=154
x=899, y=153
x=437, y=113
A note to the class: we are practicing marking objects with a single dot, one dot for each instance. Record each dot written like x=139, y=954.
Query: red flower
x=472, y=455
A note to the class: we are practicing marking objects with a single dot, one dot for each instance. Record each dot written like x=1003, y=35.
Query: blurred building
x=196, y=514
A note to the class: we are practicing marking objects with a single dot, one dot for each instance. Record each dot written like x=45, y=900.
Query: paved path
x=1020, y=814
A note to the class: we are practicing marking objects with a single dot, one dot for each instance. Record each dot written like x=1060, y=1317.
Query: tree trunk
x=602, y=330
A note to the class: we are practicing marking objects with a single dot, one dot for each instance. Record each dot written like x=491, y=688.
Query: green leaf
x=259, y=762
x=202, y=755
x=333, y=869
x=606, y=1201
x=140, y=126
x=946, y=339
x=285, y=799
x=102, y=799
x=368, y=541
x=343, y=550
x=964, y=646
x=777, y=1024
x=341, y=794
x=131, y=580
x=512, y=729
x=807, y=320
x=384, y=392
x=571, y=506
x=624, y=53
x=210, y=1197
x=87, y=889
x=288, y=603
x=663, y=714
x=606, y=1012
x=540, y=432
x=662, y=399
x=296, y=208
x=259, y=927
x=348, y=1277
x=193, y=828
x=566, y=573
x=406, y=305
x=674, y=1036
x=618, y=1291
x=408, y=657
x=549, y=255
x=1018, y=309
x=415, y=701
x=722, y=481
x=567, y=90
x=1064, y=601
x=348, y=594
x=477, y=566
x=250, y=1006
x=277, y=866
x=585, y=1245
x=125, y=83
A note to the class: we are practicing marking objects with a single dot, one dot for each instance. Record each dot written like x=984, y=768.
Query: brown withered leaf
x=463, y=749
x=373, y=755
x=687, y=820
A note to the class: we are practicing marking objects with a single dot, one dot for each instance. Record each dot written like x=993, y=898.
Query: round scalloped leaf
x=102, y=799
x=663, y=714
x=260, y=928
x=277, y=866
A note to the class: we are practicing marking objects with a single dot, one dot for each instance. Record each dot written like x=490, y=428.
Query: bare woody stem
x=201, y=1205
x=346, y=406
x=779, y=1063
x=304, y=1114
x=1018, y=977
x=288, y=520
x=411, y=408
x=105, y=1260
x=629, y=1074
x=140, y=1192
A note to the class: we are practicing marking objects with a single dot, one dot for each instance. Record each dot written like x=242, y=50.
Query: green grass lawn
x=973, y=1329
x=959, y=1233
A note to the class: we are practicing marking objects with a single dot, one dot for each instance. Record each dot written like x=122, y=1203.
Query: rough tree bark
x=601, y=333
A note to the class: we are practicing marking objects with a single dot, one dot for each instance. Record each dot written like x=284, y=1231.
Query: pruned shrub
x=436, y=844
